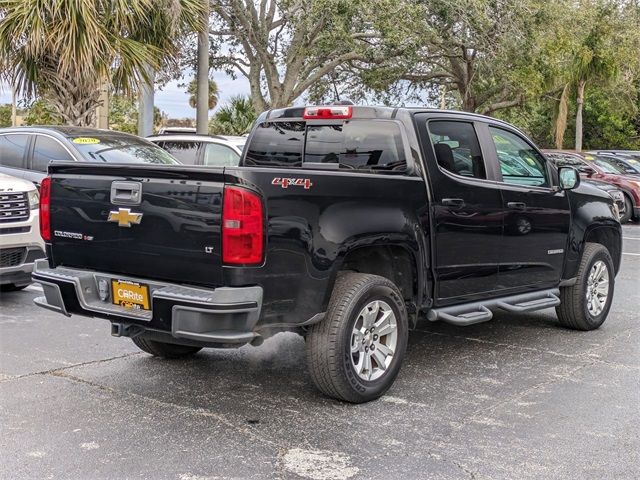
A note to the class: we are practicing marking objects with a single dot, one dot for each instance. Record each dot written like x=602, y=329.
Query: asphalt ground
x=515, y=398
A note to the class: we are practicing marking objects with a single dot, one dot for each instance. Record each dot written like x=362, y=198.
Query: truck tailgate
x=145, y=221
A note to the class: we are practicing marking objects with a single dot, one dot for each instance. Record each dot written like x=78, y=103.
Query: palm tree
x=212, y=94
x=63, y=50
x=235, y=118
x=593, y=60
x=592, y=64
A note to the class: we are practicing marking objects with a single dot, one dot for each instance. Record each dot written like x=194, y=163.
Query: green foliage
x=606, y=126
x=123, y=114
x=234, y=118
x=40, y=112
x=5, y=115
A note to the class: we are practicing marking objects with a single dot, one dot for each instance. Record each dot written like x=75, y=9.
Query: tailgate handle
x=126, y=193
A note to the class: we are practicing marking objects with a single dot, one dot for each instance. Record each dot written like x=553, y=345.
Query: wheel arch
x=608, y=236
x=395, y=261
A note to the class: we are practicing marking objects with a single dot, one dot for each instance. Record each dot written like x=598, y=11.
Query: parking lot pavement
x=517, y=397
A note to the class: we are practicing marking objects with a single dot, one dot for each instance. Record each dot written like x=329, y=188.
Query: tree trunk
x=202, y=93
x=561, y=119
x=14, y=103
x=579, y=103
x=145, y=108
x=102, y=111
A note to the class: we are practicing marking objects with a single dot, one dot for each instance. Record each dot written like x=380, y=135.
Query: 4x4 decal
x=295, y=182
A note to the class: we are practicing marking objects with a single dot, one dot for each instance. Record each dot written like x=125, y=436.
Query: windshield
x=627, y=164
x=564, y=160
x=121, y=149
x=607, y=165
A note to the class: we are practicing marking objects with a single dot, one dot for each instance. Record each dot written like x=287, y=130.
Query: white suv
x=20, y=241
x=202, y=149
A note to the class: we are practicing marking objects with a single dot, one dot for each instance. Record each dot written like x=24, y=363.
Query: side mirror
x=569, y=178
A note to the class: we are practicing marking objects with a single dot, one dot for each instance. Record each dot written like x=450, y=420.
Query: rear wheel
x=356, y=352
x=164, y=350
x=585, y=305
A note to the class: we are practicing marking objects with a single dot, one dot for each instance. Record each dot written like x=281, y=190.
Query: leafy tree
x=212, y=99
x=5, y=115
x=490, y=55
x=607, y=43
x=41, y=112
x=63, y=50
x=123, y=114
x=285, y=47
x=234, y=118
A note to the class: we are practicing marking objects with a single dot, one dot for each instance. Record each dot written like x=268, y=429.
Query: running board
x=477, y=312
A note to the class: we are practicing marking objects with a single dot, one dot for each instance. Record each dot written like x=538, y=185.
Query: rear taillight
x=328, y=113
x=45, y=209
x=242, y=227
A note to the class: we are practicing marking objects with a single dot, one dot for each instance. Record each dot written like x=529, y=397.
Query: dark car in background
x=25, y=152
x=629, y=161
x=602, y=169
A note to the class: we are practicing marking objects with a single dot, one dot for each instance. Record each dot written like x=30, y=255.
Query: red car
x=601, y=168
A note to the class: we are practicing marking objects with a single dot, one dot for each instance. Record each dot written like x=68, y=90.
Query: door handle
x=517, y=205
x=453, y=202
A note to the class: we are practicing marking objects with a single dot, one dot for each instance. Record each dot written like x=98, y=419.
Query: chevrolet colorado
x=344, y=224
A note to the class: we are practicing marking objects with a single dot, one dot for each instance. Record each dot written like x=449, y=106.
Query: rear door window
x=46, y=150
x=457, y=149
x=185, y=152
x=12, y=150
x=356, y=145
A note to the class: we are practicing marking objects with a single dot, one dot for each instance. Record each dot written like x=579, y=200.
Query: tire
x=358, y=300
x=574, y=310
x=164, y=350
x=10, y=287
x=628, y=212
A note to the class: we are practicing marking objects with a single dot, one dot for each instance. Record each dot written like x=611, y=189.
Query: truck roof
x=370, y=111
x=376, y=112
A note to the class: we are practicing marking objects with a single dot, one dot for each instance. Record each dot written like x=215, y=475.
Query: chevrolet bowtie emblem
x=125, y=218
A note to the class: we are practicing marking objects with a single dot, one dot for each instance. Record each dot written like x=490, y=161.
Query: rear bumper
x=194, y=316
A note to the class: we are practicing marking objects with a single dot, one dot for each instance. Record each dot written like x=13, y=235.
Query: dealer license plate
x=130, y=295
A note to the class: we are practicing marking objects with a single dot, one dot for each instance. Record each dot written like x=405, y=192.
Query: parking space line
x=634, y=254
x=631, y=238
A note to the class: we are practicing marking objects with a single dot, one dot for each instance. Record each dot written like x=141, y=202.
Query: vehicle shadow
x=441, y=359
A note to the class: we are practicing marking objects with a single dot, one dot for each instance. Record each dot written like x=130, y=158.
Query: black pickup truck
x=344, y=224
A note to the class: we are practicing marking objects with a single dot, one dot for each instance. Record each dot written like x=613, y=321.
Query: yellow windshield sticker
x=86, y=140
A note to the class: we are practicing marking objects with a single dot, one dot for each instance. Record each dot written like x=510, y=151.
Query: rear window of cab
x=349, y=145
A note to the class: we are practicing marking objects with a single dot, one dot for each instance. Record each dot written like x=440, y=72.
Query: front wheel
x=628, y=210
x=585, y=305
x=356, y=352
x=164, y=350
